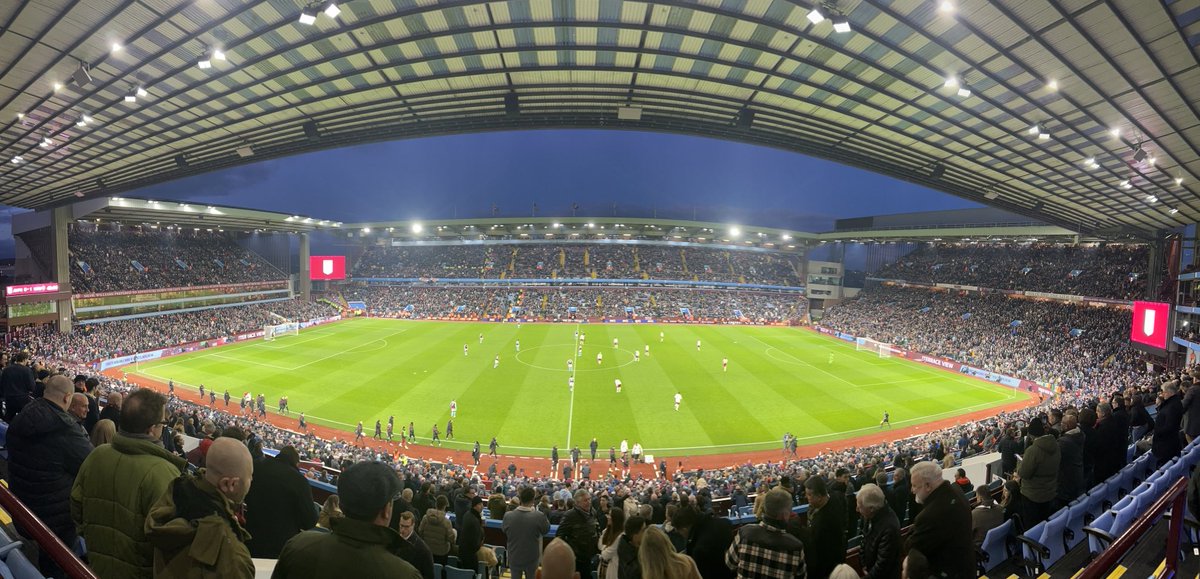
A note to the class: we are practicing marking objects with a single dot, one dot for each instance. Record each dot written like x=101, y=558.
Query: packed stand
x=575, y=260
x=129, y=260
x=1108, y=409
x=1112, y=271
x=565, y=303
x=1066, y=345
x=111, y=339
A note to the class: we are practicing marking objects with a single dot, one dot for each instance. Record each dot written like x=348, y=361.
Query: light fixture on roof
x=1043, y=136
x=735, y=231
x=815, y=15
x=964, y=92
x=1174, y=210
x=1179, y=180
x=116, y=47
x=1151, y=160
x=211, y=54
x=17, y=160
x=1052, y=84
x=951, y=82
x=204, y=63
x=1035, y=129
x=218, y=54
x=332, y=10
x=58, y=86
x=1151, y=199
x=947, y=7
x=308, y=17
x=1126, y=184
x=417, y=228
x=1115, y=132
x=141, y=92
x=366, y=230
x=841, y=24
x=47, y=142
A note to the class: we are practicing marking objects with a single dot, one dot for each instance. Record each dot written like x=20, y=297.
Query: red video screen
x=327, y=267
x=32, y=289
x=1151, y=324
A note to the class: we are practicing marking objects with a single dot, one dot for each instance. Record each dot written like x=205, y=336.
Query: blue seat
x=1031, y=547
x=1125, y=517
x=1051, y=545
x=1075, y=522
x=1099, y=533
x=456, y=573
x=452, y=561
x=1095, y=502
x=437, y=571
x=995, y=548
x=1126, y=482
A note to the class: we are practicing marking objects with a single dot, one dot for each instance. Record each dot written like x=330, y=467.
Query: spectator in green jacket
x=119, y=483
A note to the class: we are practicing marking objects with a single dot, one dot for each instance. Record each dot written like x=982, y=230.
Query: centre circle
x=584, y=363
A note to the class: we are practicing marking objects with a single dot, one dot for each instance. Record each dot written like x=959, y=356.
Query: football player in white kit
x=678, y=400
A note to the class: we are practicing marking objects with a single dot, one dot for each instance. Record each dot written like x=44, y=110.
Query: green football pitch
x=779, y=380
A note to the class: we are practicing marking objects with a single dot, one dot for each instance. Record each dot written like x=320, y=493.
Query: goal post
x=270, y=332
x=882, y=349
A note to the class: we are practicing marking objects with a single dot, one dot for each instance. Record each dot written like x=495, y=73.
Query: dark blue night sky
x=640, y=173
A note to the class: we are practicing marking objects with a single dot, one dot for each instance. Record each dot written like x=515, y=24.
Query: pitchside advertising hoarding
x=1151, y=325
x=327, y=267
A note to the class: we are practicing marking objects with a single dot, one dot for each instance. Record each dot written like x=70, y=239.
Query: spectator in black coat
x=708, y=538
x=46, y=447
x=112, y=408
x=901, y=493
x=881, y=535
x=1112, y=439
x=579, y=529
x=462, y=504
x=1191, y=406
x=824, y=537
x=16, y=384
x=1010, y=447
x=943, y=529
x=470, y=535
x=412, y=548
x=279, y=504
x=1070, y=466
x=1167, y=442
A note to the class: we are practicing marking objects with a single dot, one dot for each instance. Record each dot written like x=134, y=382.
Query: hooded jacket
x=1039, y=470
x=46, y=448
x=196, y=533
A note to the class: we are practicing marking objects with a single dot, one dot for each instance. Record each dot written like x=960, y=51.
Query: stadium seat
x=1099, y=533
x=437, y=571
x=501, y=556
x=1123, y=518
x=1031, y=547
x=1076, y=514
x=1094, y=502
x=456, y=573
x=452, y=561
x=996, y=548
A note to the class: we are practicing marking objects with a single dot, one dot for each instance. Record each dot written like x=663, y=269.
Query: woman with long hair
x=608, y=542
x=659, y=560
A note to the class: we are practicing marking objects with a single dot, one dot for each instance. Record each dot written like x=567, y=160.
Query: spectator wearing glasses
x=112, y=517
x=412, y=548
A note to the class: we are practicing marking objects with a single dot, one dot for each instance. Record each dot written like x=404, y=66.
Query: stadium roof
x=128, y=211
x=1082, y=114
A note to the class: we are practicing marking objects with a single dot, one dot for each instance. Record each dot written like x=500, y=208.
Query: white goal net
x=275, y=331
x=880, y=348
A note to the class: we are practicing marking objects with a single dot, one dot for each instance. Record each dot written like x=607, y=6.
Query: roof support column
x=305, y=278
x=60, y=264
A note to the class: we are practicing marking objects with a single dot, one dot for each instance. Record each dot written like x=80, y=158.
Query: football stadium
x=600, y=288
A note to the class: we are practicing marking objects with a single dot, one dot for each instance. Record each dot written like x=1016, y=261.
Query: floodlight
x=1115, y=132
x=815, y=16
x=417, y=227
x=1052, y=85
x=1126, y=184
x=841, y=24
x=951, y=82
x=131, y=97
x=141, y=92
x=17, y=160
x=734, y=231
x=1173, y=212
x=1035, y=129
x=1179, y=180
x=366, y=230
x=57, y=86
x=947, y=7
x=1043, y=136
x=308, y=17
x=204, y=63
x=116, y=47
x=1151, y=199
x=964, y=92
x=47, y=142
x=218, y=54
x=332, y=10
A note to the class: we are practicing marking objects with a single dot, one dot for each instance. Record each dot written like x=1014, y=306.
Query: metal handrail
x=47, y=541
x=1176, y=499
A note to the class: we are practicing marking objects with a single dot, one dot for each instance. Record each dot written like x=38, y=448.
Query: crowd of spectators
x=1067, y=345
x=567, y=302
x=1109, y=271
x=111, y=339
x=575, y=260
x=140, y=259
